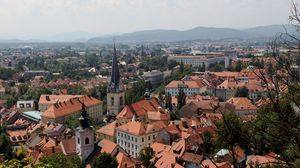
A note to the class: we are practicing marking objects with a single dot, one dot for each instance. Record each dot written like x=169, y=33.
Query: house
x=108, y=131
x=58, y=112
x=189, y=87
x=197, y=105
x=135, y=135
x=146, y=110
x=264, y=161
x=242, y=106
x=155, y=77
x=25, y=105
x=228, y=88
x=46, y=101
x=225, y=155
x=123, y=158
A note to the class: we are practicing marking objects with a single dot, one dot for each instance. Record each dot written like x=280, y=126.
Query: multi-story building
x=25, y=105
x=190, y=87
x=134, y=136
x=46, y=101
x=58, y=112
x=155, y=77
x=242, y=106
x=199, y=60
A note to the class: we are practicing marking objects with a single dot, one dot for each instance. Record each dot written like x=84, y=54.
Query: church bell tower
x=115, y=90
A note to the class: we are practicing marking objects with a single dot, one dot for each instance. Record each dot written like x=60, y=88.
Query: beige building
x=134, y=136
x=58, y=112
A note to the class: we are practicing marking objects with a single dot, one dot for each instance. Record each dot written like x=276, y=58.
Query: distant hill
x=71, y=37
x=197, y=33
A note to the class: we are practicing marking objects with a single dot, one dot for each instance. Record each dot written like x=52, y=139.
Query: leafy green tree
x=169, y=102
x=181, y=99
x=61, y=160
x=238, y=66
x=105, y=160
x=172, y=64
x=5, y=145
x=242, y=92
x=146, y=155
x=181, y=68
x=231, y=133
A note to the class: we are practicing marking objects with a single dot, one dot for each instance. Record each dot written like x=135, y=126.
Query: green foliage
x=34, y=93
x=92, y=60
x=217, y=67
x=137, y=92
x=61, y=160
x=6, y=74
x=169, y=102
x=181, y=99
x=105, y=160
x=5, y=145
x=172, y=64
x=242, y=92
x=231, y=132
x=181, y=68
x=155, y=62
x=146, y=155
x=76, y=90
x=238, y=66
x=72, y=121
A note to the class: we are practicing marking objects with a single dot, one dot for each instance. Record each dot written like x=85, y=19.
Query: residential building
x=228, y=88
x=135, y=135
x=58, y=112
x=199, y=60
x=242, y=106
x=115, y=90
x=108, y=131
x=146, y=110
x=25, y=105
x=46, y=101
x=189, y=87
x=155, y=77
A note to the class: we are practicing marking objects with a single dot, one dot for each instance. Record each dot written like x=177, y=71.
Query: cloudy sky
x=40, y=17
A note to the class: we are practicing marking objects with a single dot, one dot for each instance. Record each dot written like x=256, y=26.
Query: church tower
x=115, y=91
x=84, y=135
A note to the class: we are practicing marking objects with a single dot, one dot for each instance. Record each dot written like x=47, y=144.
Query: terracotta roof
x=192, y=158
x=167, y=160
x=107, y=146
x=140, y=108
x=226, y=74
x=52, y=99
x=241, y=103
x=209, y=164
x=231, y=84
x=69, y=107
x=126, y=161
x=187, y=83
x=159, y=147
x=109, y=129
x=139, y=128
x=68, y=146
x=251, y=73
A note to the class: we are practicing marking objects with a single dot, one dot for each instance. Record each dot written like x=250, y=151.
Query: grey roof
x=115, y=74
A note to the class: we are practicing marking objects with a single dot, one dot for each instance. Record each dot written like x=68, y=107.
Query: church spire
x=115, y=74
x=83, y=119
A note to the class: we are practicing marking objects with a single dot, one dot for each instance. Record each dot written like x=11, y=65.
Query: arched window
x=121, y=100
x=78, y=140
x=87, y=141
x=112, y=101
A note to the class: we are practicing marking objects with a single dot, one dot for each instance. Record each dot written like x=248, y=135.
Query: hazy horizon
x=42, y=18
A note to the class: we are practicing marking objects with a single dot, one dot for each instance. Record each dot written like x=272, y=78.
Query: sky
x=46, y=17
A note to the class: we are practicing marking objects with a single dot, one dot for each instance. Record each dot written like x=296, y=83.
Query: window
x=87, y=141
x=142, y=139
x=148, y=137
x=121, y=100
x=153, y=136
x=112, y=101
x=78, y=140
x=21, y=105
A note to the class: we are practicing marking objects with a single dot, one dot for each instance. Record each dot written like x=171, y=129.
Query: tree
x=181, y=99
x=105, y=160
x=146, y=155
x=238, y=66
x=61, y=160
x=242, y=92
x=181, y=68
x=168, y=103
x=231, y=134
x=5, y=145
x=172, y=64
